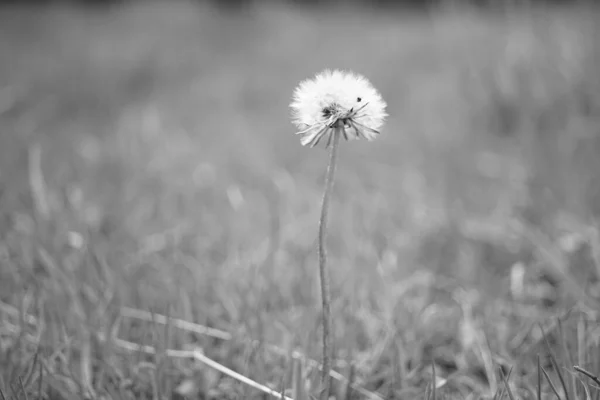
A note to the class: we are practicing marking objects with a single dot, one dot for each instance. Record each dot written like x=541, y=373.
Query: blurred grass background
x=147, y=160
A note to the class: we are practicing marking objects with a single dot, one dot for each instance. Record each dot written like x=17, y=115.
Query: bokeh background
x=147, y=160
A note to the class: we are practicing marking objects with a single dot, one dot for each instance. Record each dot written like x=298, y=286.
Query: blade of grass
x=539, y=380
x=40, y=381
x=207, y=361
x=433, y=383
x=588, y=395
x=505, y=378
x=351, y=374
x=283, y=380
x=32, y=368
x=298, y=379
x=551, y=384
x=282, y=392
x=486, y=356
x=86, y=363
x=588, y=374
x=568, y=357
x=164, y=385
x=555, y=364
x=500, y=393
x=581, y=328
x=23, y=388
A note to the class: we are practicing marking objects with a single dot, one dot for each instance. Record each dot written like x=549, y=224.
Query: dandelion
x=332, y=105
x=337, y=99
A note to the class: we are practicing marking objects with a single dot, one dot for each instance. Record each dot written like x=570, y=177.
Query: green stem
x=323, y=271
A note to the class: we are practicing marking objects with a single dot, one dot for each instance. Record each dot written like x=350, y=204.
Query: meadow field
x=158, y=216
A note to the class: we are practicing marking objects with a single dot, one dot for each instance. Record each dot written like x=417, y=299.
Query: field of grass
x=151, y=187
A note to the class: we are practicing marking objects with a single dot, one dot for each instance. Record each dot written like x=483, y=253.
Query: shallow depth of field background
x=147, y=160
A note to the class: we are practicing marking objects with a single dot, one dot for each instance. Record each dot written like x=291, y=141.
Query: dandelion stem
x=323, y=271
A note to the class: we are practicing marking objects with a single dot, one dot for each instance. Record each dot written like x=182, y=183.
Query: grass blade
x=434, y=383
x=505, y=378
x=539, y=380
x=551, y=384
x=23, y=389
x=588, y=374
x=555, y=365
x=588, y=395
x=298, y=382
x=567, y=356
x=351, y=375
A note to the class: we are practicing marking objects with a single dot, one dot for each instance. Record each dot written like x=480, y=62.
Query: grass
x=159, y=216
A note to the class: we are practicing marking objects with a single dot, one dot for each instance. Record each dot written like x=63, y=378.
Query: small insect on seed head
x=337, y=99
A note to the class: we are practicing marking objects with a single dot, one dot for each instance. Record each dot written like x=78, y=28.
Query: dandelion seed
x=337, y=99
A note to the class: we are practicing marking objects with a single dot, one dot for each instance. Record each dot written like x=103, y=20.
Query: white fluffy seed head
x=337, y=98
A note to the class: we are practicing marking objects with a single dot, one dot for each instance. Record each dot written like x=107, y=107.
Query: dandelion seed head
x=337, y=98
